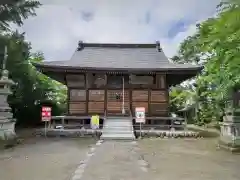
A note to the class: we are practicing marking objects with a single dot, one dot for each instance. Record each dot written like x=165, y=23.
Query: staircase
x=118, y=128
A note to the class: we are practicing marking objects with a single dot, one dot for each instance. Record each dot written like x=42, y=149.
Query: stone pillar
x=230, y=131
x=7, y=123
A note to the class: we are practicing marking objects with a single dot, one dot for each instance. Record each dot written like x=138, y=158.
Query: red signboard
x=46, y=113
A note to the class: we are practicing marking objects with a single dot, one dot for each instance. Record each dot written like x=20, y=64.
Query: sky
x=60, y=24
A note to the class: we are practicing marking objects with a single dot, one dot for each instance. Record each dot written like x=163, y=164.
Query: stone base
x=7, y=130
x=93, y=133
x=231, y=146
x=68, y=132
x=168, y=134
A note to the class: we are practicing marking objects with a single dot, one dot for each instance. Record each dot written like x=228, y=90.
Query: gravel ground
x=43, y=159
x=147, y=159
x=192, y=159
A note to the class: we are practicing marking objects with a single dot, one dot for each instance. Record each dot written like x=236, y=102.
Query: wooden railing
x=81, y=121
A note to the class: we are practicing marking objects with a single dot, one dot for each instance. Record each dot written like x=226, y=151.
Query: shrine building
x=114, y=79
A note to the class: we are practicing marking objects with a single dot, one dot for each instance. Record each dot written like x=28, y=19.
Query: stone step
x=116, y=136
x=118, y=128
x=109, y=128
x=120, y=119
x=117, y=122
x=116, y=131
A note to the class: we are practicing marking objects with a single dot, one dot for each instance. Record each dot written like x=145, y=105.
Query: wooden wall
x=115, y=99
x=96, y=101
x=97, y=93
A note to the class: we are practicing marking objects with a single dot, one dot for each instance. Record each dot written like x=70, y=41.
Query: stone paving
x=115, y=160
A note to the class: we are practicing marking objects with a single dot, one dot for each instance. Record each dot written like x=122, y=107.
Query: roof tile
x=119, y=56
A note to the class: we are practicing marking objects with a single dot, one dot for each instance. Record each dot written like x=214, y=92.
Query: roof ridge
x=82, y=45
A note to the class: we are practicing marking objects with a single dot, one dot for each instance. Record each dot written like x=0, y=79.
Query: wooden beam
x=68, y=93
x=87, y=91
x=105, y=93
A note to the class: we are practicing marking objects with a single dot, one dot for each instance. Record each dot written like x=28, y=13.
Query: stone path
x=114, y=160
x=158, y=159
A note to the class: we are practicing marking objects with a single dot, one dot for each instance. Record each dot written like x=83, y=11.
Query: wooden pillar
x=87, y=92
x=68, y=93
x=105, y=94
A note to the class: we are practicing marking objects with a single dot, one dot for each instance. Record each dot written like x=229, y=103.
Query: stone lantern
x=7, y=123
x=230, y=127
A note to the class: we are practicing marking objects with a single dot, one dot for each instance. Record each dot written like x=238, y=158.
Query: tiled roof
x=119, y=56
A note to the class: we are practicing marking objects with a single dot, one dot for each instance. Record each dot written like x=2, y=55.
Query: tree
x=216, y=46
x=15, y=12
x=32, y=89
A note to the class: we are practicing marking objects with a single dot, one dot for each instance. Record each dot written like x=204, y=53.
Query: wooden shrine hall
x=113, y=79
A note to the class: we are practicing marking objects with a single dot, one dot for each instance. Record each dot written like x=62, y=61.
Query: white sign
x=140, y=114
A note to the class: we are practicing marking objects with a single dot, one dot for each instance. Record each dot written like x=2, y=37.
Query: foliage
x=16, y=12
x=32, y=88
x=216, y=45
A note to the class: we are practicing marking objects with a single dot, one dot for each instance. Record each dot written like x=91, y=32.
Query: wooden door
x=96, y=101
x=77, y=101
x=115, y=102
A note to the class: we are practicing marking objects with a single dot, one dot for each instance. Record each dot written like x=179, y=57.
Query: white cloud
x=60, y=24
x=171, y=45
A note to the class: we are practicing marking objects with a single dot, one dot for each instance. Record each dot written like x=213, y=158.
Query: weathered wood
x=102, y=117
x=161, y=81
x=96, y=95
x=141, y=79
x=98, y=98
x=75, y=80
x=87, y=93
x=117, y=95
x=140, y=95
x=158, y=96
x=77, y=95
x=96, y=80
x=117, y=106
x=114, y=81
x=96, y=107
x=77, y=107
x=158, y=108
x=140, y=104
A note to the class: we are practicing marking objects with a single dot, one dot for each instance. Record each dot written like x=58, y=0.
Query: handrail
x=105, y=114
x=105, y=117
